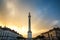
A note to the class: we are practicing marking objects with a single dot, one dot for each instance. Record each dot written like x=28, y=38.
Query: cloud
x=55, y=22
x=14, y=14
x=58, y=23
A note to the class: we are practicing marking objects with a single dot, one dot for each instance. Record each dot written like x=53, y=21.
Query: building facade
x=8, y=34
x=53, y=34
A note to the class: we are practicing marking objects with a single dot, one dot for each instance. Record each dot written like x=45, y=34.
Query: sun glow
x=21, y=30
x=17, y=18
x=24, y=30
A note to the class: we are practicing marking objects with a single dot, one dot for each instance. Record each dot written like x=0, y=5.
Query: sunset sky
x=45, y=14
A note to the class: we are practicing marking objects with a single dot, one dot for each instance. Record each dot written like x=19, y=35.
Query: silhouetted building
x=53, y=34
x=8, y=34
